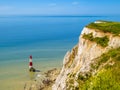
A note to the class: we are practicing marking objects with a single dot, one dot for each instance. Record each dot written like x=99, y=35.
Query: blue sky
x=59, y=7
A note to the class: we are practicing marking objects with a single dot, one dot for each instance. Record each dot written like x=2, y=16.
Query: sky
x=59, y=7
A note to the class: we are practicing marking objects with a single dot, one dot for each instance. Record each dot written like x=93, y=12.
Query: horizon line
x=57, y=15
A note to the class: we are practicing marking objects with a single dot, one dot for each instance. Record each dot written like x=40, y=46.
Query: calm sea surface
x=47, y=39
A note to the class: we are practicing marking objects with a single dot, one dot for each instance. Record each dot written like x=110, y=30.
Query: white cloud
x=75, y=3
x=52, y=4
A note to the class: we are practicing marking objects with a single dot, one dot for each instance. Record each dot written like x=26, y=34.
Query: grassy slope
x=105, y=26
x=108, y=77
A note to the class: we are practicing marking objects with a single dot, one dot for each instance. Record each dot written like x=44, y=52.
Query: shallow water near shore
x=16, y=75
x=47, y=39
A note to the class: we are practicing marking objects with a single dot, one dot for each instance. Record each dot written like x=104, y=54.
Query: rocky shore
x=42, y=81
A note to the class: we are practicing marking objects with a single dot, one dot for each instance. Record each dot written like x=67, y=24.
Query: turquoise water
x=47, y=39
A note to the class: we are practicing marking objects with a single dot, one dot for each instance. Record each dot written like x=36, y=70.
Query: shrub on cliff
x=102, y=41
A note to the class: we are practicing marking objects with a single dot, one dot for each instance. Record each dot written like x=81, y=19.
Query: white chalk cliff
x=79, y=59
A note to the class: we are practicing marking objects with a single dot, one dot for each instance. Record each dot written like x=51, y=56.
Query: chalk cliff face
x=78, y=61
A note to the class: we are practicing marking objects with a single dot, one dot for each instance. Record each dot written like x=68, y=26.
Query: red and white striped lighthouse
x=30, y=62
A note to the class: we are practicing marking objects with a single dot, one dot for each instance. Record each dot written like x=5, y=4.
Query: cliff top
x=95, y=62
x=106, y=26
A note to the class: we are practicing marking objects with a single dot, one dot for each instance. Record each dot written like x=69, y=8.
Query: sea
x=46, y=38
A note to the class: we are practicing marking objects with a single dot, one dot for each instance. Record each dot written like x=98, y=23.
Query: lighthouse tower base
x=32, y=69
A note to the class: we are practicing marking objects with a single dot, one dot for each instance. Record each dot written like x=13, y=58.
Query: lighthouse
x=30, y=62
x=31, y=69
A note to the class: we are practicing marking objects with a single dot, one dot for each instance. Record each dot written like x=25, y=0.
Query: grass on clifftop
x=106, y=26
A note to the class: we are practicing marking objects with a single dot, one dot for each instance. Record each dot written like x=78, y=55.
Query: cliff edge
x=92, y=63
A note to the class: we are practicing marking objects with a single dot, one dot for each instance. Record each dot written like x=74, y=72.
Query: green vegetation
x=103, y=41
x=81, y=77
x=108, y=77
x=104, y=80
x=106, y=26
x=113, y=54
x=70, y=81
